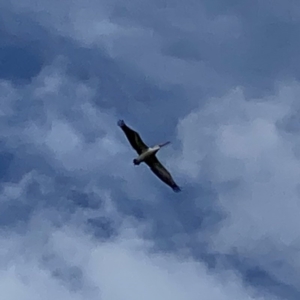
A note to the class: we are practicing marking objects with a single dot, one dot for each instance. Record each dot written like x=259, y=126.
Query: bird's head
x=136, y=162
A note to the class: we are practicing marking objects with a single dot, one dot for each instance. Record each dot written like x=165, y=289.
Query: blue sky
x=220, y=79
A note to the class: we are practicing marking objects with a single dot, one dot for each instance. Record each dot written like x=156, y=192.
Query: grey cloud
x=262, y=205
x=156, y=65
x=110, y=270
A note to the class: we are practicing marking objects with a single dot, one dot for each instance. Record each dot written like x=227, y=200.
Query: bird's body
x=147, y=155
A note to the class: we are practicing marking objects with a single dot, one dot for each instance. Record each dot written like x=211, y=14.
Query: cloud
x=114, y=269
x=220, y=81
x=253, y=168
x=52, y=246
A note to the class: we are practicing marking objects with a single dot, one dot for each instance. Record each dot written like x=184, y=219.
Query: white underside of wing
x=144, y=155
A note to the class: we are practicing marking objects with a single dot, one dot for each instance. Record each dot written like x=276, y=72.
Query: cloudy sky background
x=220, y=79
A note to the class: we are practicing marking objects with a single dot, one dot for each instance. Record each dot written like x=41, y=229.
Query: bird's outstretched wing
x=161, y=172
x=133, y=137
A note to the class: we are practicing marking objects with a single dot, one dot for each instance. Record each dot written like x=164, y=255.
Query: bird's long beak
x=164, y=144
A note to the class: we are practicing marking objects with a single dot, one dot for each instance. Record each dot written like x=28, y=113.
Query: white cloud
x=121, y=268
x=60, y=114
x=238, y=139
x=242, y=142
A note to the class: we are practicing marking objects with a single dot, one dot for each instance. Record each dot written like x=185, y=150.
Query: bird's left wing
x=161, y=172
x=133, y=137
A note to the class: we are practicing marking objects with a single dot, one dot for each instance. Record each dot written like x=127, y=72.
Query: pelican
x=147, y=155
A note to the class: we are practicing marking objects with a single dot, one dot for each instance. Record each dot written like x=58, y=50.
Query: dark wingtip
x=121, y=123
x=176, y=188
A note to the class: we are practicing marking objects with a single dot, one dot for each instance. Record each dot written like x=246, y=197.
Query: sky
x=219, y=79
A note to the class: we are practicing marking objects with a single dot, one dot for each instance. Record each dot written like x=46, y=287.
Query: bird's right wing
x=134, y=138
x=161, y=172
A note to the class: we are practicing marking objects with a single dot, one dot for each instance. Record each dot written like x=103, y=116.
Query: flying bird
x=147, y=155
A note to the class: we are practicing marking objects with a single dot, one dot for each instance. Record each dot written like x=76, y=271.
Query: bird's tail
x=164, y=144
